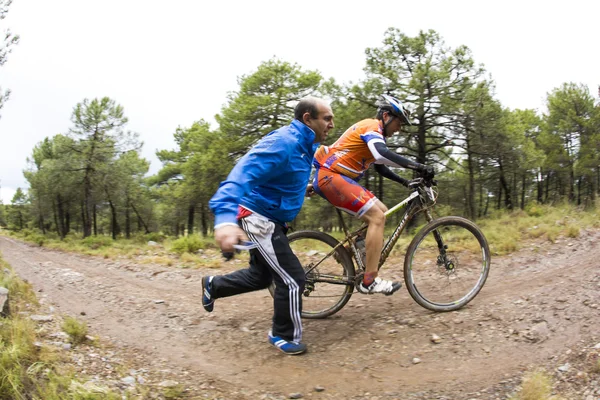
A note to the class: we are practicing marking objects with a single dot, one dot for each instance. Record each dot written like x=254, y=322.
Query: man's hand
x=228, y=235
x=310, y=190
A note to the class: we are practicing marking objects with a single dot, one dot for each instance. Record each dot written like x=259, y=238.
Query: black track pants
x=273, y=260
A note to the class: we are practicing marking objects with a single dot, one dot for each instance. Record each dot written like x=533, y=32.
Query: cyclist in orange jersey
x=340, y=165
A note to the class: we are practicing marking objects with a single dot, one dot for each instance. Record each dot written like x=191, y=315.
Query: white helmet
x=394, y=107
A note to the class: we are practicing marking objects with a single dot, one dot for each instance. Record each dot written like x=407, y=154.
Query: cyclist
x=340, y=165
x=262, y=193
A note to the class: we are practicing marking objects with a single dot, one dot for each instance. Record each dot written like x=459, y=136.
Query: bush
x=536, y=385
x=76, y=330
x=187, y=244
x=37, y=239
x=155, y=237
x=534, y=210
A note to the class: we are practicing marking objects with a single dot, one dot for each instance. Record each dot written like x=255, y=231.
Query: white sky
x=170, y=63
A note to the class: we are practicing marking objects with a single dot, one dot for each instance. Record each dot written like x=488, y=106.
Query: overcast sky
x=170, y=63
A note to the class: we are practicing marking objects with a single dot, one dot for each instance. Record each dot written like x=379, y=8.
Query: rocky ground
x=540, y=307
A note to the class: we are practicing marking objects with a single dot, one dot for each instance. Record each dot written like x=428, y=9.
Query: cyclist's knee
x=375, y=216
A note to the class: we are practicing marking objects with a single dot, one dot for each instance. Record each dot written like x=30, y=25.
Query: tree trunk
x=83, y=220
x=127, y=221
x=95, y=221
x=60, y=216
x=42, y=226
x=547, y=186
x=87, y=206
x=67, y=222
x=514, y=190
x=540, y=186
x=55, y=215
x=523, y=185
x=487, y=203
x=470, y=195
x=204, y=219
x=142, y=221
x=572, y=184
x=114, y=225
x=499, y=203
x=190, y=223
x=507, y=197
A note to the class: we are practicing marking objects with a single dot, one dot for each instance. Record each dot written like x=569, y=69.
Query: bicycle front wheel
x=447, y=264
x=329, y=274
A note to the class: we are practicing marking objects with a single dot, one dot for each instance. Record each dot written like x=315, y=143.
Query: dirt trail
x=536, y=303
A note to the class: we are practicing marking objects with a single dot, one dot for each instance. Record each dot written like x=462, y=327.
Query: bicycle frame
x=413, y=204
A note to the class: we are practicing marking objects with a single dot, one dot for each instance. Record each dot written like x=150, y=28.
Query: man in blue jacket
x=263, y=192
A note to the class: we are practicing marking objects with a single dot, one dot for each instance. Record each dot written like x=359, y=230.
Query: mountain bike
x=445, y=265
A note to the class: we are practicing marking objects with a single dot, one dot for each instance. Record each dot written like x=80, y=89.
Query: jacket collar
x=307, y=135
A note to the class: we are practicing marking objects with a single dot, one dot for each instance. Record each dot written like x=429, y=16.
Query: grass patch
x=173, y=392
x=572, y=231
x=26, y=370
x=507, y=231
x=189, y=244
x=536, y=385
x=76, y=330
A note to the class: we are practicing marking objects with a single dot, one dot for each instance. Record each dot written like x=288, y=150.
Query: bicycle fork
x=442, y=259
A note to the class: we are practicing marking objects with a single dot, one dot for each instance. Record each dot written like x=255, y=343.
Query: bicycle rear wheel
x=331, y=283
x=447, y=264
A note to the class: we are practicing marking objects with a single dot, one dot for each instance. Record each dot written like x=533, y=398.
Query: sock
x=368, y=279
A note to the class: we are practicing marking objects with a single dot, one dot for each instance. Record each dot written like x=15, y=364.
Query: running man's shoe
x=207, y=299
x=288, y=347
x=379, y=286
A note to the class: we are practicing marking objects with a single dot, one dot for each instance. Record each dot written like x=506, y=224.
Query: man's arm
x=389, y=174
x=383, y=155
x=260, y=164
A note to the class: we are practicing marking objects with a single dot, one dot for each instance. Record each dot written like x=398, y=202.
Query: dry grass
x=536, y=385
x=29, y=372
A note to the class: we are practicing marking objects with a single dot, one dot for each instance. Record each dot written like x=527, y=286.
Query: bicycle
x=448, y=258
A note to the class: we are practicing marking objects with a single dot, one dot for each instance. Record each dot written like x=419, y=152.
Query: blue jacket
x=271, y=178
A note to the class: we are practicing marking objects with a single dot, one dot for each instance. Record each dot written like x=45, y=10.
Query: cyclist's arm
x=388, y=173
x=383, y=155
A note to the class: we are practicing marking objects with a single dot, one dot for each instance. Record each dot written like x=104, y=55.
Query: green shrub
x=536, y=385
x=76, y=330
x=37, y=239
x=534, y=210
x=572, y=231
x=26, y=232
x=187, y=244
x=155, y=237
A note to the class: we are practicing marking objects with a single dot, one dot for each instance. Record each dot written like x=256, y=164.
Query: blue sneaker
x=291, y=348
x=207, y=300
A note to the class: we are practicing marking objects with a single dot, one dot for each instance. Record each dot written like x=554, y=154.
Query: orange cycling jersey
x=350, y=154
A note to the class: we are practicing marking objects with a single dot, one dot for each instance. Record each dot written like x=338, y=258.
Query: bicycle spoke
x=447, y=278
x=329, y=282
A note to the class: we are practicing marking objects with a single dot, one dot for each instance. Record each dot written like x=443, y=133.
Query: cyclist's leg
x=375, y=218
x=346, y=194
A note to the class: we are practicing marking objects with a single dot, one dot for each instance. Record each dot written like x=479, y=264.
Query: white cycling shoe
x=380, y=286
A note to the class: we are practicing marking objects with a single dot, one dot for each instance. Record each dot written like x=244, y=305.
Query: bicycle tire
x=322, y=299
x=427, y=283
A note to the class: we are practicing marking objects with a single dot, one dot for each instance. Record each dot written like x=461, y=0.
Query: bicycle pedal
x=358, y=279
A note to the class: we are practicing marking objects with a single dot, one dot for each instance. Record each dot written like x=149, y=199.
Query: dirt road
x=536, y=303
